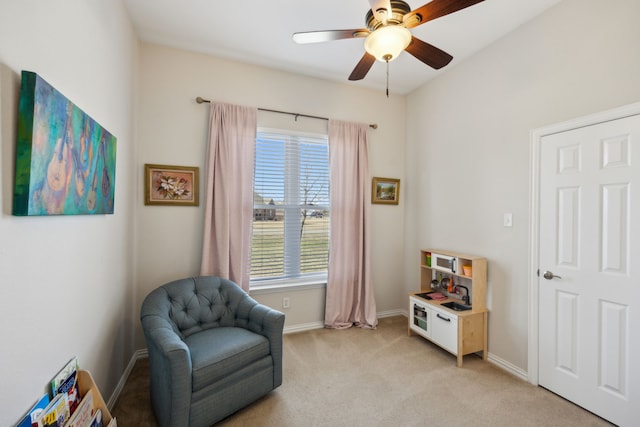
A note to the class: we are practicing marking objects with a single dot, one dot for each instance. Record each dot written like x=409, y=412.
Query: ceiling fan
x=387, y=33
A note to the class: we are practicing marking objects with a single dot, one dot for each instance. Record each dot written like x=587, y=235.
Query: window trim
x=298, y=286
x=309, y=281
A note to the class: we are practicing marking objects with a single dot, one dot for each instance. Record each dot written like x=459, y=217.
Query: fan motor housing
x=399, y=9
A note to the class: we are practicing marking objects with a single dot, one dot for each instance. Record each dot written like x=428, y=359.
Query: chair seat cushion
x=218, y=352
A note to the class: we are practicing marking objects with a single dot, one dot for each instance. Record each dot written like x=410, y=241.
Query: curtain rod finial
x=201, y=100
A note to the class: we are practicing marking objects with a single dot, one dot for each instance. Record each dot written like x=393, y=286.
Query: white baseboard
x=507, y=366
x=319, y=325
x=391, y=313
x=303, y=327
x=139, y=354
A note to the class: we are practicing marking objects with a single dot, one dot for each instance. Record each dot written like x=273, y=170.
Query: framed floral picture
x=385, y=191
x=171, y=185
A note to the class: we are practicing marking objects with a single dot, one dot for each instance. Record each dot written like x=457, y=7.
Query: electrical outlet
x=286, y=302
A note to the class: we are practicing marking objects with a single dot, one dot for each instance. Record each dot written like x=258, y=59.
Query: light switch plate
x=508, y=220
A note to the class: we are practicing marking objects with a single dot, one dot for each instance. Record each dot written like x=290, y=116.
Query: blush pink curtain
x=350, y=297
x=229, y=193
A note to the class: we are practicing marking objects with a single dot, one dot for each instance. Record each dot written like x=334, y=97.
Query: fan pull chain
x=387, y=58
x=387, y=79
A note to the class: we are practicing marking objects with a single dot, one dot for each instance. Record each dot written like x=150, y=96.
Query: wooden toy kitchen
x=451, y=308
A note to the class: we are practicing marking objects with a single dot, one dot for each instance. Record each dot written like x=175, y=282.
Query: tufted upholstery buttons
x=204, y=302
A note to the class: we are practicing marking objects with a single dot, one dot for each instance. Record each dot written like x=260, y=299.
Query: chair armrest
x=269, y=323
x=170, y=376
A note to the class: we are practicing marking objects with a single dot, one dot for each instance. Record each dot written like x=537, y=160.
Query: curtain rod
x=201, y=100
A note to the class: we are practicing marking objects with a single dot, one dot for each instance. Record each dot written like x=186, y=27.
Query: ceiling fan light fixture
x=386, y=43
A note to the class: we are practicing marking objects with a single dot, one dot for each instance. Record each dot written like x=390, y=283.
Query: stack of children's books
x=62, y=405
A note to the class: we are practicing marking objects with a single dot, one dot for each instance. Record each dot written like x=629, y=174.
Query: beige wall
x=467, y=157
x=173, y=130
x=66, y=281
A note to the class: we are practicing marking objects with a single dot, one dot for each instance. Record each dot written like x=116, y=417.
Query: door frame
x=535, y=142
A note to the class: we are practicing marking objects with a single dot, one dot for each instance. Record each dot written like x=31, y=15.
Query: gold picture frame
x=171, y=185
x=385, y=191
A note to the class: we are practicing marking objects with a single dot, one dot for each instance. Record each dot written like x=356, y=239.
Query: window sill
x=291, y=286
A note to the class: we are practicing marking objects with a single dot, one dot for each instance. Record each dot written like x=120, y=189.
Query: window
x=290, y=241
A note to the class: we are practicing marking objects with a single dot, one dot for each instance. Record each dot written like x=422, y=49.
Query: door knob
x=549, y=275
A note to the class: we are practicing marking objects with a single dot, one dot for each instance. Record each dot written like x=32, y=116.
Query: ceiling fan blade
x=429, y=54
x=328, y=35
x=381, y=9
x=435, y=9
x=363, y=67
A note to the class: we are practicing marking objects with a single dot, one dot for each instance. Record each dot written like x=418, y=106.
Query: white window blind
x=290, y=241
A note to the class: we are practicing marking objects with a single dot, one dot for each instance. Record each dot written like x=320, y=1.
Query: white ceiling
x=259, y=32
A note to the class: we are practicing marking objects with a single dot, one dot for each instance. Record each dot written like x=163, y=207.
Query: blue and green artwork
x=65, y=161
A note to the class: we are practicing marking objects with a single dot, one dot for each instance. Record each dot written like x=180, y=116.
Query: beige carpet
x=382, y=377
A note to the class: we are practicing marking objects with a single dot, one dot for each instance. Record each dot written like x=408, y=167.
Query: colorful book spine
x=31, y=418
x=82, y=416
x=56, y=413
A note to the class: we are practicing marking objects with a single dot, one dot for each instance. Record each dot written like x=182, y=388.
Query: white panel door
x=589, y=302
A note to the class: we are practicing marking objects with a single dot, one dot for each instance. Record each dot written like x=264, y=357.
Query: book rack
x=86, y=383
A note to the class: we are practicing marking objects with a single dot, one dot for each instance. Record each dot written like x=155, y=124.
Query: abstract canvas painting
x=65, y=161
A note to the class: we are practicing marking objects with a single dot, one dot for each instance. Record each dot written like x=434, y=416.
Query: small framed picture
x=171, y=185
x=385, y=191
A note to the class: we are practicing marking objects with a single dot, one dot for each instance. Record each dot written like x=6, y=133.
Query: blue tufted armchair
x=212, y=350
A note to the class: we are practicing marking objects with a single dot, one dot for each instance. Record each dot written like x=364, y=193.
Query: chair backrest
x=193, y=304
